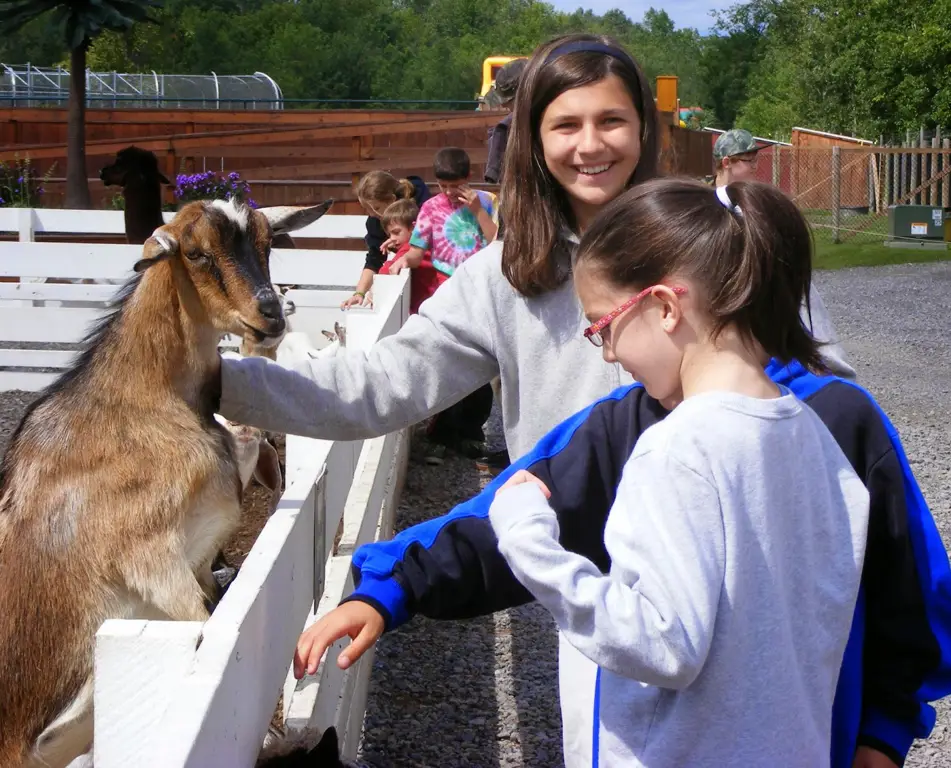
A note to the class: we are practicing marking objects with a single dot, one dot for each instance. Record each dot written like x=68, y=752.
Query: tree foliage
x=861, y=67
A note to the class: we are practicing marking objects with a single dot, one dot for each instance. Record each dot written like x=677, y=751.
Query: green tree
x=83, y=20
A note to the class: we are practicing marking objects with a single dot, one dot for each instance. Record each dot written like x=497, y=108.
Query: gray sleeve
x=438, y=357
x=822, y=328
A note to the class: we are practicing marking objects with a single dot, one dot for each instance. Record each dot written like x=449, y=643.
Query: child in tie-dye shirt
x=454, y=224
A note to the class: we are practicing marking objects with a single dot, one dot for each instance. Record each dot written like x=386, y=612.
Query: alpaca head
x=132, y=165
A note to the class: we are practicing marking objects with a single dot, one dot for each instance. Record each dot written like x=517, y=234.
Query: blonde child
x=375, y=191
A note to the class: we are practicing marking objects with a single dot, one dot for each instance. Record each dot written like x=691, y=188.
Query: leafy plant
x=212, y=186
x=20, y=186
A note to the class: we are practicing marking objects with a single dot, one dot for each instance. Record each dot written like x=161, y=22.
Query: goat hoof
x=223, y=577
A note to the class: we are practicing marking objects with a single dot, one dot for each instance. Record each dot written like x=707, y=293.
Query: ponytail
x=383, y=187
x=405, y=190
x=773, y=274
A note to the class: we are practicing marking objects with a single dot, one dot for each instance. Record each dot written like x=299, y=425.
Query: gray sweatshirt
x=475, y=327
x=737, y=540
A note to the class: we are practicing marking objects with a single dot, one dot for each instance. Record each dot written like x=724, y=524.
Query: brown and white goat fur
x=119, y=485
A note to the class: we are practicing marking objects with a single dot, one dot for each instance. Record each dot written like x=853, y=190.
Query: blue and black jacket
x=898, y=657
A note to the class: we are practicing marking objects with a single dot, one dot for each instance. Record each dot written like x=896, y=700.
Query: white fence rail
x=182, y=694
x=36, y=309
x=30, y=221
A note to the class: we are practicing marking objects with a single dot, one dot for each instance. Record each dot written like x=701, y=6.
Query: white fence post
x=138, y=667
x=26, y=225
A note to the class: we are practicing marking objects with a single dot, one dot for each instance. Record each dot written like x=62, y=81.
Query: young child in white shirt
x=738, y=531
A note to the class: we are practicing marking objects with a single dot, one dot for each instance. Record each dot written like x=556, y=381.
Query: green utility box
x=918, y=222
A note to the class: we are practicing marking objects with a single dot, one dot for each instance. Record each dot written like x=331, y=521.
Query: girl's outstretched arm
x=438, y=357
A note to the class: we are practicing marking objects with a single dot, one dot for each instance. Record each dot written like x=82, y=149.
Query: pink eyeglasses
x=593, y=332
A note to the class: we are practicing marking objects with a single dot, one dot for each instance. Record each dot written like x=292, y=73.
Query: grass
x=864, y=234
x=851, y=254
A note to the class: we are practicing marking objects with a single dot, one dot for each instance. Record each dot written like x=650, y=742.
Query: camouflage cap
x=506, y=80
x=734, y=142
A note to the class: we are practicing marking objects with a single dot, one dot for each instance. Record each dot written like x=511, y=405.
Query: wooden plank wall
x=289, y=156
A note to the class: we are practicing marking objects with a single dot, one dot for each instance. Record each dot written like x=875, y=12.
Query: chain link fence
x=846, y=192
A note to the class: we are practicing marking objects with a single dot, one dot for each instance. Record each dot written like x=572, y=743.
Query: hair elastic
x=590, y=47
x=726, y=202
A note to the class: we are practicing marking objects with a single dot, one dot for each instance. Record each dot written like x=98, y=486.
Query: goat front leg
x=159, y=572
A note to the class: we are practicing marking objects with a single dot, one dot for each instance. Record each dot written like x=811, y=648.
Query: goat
x=119, y=486
x=256, y=456
x=295, y=347
x=136, y=171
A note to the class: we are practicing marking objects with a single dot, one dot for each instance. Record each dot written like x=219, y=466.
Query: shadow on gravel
x=432, y=697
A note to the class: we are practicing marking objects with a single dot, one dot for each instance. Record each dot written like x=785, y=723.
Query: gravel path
x=484, y=692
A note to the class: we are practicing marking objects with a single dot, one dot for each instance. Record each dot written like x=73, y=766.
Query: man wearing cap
x=506, y=86
x=735, y=156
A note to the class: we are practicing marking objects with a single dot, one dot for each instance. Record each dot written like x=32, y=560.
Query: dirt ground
x=254, y=514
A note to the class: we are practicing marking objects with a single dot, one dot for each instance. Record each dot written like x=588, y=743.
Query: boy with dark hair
x=455, y=223
x=452, y=226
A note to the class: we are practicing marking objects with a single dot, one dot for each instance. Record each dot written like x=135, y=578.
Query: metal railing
x=30, y=86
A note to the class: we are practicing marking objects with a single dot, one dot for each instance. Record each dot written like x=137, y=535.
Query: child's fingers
x=312, y=646
x=523, y=476
x=541, y=485
x=302, y=655
x=360, y=645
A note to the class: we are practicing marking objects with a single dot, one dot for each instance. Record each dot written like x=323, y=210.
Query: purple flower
x=209, y=185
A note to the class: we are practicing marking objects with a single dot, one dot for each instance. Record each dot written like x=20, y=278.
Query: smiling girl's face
x=591, y=141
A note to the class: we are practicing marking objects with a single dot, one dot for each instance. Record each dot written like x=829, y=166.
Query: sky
x=685, y=13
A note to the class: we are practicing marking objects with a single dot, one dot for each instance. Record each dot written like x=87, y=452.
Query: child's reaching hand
x=399, y=265
x=522, y=476
x=360, y=621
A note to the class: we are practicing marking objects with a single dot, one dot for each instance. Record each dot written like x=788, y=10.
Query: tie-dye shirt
x=449, y=231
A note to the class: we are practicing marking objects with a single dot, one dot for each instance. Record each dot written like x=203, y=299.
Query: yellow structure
x=491, y=67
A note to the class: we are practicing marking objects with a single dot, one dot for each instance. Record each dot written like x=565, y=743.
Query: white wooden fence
x=35, y=311
x=183, y=694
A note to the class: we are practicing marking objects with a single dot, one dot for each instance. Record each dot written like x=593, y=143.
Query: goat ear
x=161, y=177
x=157, y=248
x=268, y=469
x=330, y=335
x=289, y=218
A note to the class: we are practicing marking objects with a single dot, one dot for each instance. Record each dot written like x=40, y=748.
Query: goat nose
x=270, y=307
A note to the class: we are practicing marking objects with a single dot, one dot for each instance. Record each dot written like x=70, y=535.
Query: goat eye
x=195, y=256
